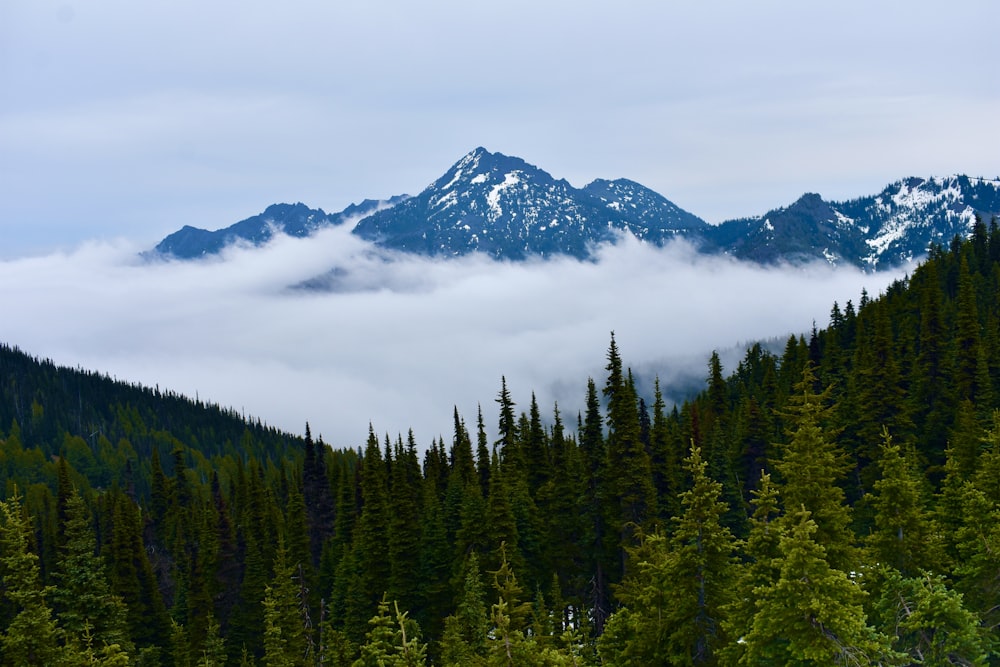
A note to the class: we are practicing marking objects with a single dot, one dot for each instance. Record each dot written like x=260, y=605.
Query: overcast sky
x=121, y=121
x=129, y=119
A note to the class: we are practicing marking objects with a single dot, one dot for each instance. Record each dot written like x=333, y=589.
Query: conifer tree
x=482, y=453
x=285, y=638
x=392, y=642
x=507, y=429
x=87, y=610
x=813, y=613
x=675, y=601
x=599, y=557
x=248, y=615
x=31, y=636
x=536, y=449
x=928, y=621
x=317, y=495
x=466, y=630
x=372, y=569
x=811, y=465
x=902, y=537
x=132, y=578
x=878, y=397
x=558, y=505
x=434, y=562
x=406, y=486
x=630, y=472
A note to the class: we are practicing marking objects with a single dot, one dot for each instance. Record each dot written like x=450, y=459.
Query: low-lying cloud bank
x=397, y=340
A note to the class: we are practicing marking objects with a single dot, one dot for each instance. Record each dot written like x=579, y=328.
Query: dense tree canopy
x=835, y=501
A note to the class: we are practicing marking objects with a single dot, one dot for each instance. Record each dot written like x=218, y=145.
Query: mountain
x=890, y=228
x=509, y=209
x=293, y=219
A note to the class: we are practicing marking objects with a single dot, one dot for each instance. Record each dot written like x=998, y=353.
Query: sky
x=130, y=119
x=122, y=121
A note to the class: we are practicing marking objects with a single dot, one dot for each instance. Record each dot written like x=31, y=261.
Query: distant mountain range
x=509, y=209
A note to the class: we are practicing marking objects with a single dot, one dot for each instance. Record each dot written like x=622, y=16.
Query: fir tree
x=813, y=613
x=811, y=465
x=902, y=537
x=31, y=636
x=929, y=622
x=88, y=611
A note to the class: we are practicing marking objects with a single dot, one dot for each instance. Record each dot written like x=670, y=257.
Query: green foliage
x=929, y=622
x=861, y=548
x=813, y=613
x=392, y=641
x=30, y=638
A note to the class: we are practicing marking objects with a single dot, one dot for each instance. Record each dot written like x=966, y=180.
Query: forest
x=837, y=503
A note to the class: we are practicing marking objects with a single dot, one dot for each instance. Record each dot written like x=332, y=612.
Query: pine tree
x=630, y=472
x=87, y=610
x=675, y=600
x=811, y=465
x=406, y=488
x=813, y=614
x=902, y=537
x=31, y=636
x=285, y=639
x=929, y=622
x=466, y=630
x=760, y=569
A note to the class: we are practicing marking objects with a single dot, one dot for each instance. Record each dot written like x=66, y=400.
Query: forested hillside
x=836, y=504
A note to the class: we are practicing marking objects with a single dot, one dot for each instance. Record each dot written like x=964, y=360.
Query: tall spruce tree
x=811, y=466
x=629, y=468
x=813, y=613
x=31, y=637
x=87, y=610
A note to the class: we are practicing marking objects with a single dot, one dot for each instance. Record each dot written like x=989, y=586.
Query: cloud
x=400, y=340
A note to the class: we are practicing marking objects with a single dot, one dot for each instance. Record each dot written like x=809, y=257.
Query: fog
x=397, y=341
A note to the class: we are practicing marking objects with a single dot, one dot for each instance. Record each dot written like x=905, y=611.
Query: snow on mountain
x=891, y=228
x=508, y=209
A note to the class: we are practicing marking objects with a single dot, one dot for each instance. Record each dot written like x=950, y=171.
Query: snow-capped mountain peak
x=509, y=209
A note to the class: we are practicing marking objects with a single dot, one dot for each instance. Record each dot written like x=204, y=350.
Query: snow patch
x=767, y=225
x=493, y=196
x=458, y=175
x=445, y=201
x=843, y=220
x=480, y=178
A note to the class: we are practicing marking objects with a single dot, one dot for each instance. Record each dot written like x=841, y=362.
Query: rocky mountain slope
x=508, y=209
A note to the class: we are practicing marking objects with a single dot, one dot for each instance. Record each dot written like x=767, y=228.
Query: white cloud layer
x=399, y=340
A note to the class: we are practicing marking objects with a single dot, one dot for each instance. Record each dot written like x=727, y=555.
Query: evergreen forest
x=837, y=503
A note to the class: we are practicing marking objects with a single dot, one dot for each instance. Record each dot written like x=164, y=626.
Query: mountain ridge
x=509, y=209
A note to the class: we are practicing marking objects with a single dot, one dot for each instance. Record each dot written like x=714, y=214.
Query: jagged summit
x=509, y=209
